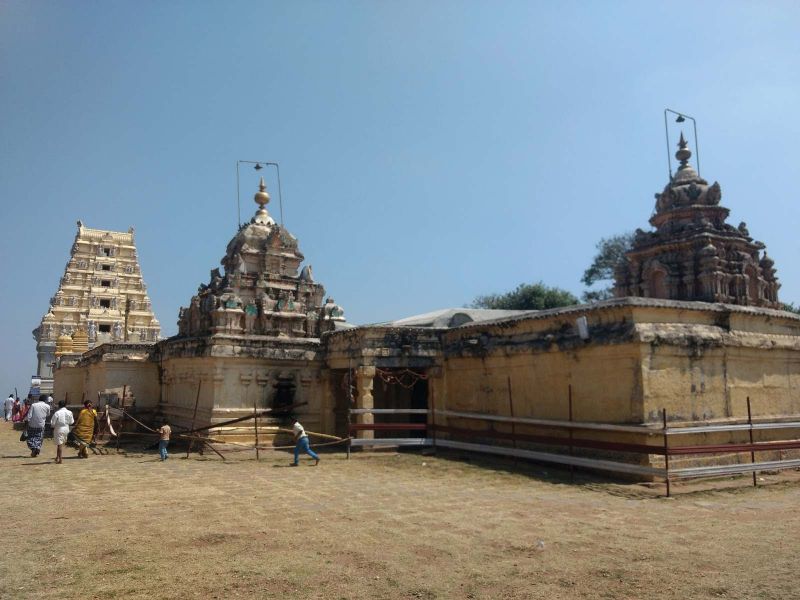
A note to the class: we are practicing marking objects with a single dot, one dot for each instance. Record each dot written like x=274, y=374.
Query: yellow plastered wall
x=85, y=380
x=606, y=384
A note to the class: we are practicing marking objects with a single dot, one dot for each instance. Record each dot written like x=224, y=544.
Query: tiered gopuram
x=101, y=298
x=693, y=254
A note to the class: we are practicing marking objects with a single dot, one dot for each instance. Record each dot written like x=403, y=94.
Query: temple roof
x=451, y=317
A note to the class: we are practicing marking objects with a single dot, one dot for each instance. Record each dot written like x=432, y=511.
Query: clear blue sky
x=430, y=151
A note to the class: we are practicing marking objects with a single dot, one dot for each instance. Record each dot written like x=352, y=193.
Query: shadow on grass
x=553, y=474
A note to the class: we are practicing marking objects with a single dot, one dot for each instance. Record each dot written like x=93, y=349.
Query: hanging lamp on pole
x=257, y=165
x=680, y=118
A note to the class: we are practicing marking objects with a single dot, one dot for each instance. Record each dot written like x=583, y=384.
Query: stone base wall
x=232, y=388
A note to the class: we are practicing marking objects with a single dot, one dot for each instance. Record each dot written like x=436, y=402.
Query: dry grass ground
x=379, y=526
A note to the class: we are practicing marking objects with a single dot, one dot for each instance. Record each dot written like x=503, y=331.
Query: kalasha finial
x=262, y=197
x=683, y=154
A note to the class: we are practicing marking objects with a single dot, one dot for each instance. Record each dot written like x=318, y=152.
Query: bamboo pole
x=208, y=443
x=240, y=419
x=255, y=422
x=752, y=452
x=194, y=416
x=666, y=448
x=122, y=421
x=571, y=449
x=511, y=410
x=349, y=403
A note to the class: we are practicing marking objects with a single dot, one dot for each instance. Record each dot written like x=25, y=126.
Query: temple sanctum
x=695, y=334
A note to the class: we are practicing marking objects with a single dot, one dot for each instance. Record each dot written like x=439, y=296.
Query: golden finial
x=262, y=197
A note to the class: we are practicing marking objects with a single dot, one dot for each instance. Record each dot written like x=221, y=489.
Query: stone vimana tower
x=693, y=254
x=261, y=291
x=101, y=298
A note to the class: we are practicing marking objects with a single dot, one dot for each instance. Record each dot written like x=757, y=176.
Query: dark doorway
x=400, y=388
x=284, y=396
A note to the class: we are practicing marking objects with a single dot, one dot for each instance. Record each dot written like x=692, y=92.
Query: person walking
x=301, y=444
x=8, y=407
x=165, y=430
x=85, y=429
x=48, y=430
x=60, y=422
x=36, y=417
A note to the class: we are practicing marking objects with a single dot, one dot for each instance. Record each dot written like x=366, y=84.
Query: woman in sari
x=23, y=409
x=85, y=429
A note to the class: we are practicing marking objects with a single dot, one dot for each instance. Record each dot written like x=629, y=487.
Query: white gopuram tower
x=101, y=298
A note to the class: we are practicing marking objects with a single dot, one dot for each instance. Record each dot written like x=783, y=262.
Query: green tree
x=610, y=252
x=527, y=296
x=791, y=307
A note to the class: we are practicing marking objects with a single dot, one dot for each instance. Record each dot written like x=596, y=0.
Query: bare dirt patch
x=381, y=526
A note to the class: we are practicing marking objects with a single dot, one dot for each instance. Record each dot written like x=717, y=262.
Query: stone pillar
x=364, y=380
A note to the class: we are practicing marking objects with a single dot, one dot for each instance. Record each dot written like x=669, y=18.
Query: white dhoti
x=60, y=434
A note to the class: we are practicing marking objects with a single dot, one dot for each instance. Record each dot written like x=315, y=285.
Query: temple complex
x=101, y=298
x=693, y=254
x=695, y=337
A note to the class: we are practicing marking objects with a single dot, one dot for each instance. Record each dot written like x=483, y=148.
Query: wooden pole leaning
x=240, y=419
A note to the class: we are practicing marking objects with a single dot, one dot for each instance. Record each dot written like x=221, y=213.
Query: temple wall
x=541, y=359
x=698, y=361
x=230, y=388
x=605, y=382
x=110, y=367
x=715, y=385
x=69, y=383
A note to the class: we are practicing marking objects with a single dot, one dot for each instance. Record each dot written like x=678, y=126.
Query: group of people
x=15, y=409
x=37, y=413
x=38, y=410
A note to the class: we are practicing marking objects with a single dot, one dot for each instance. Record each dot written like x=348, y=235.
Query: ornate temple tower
x=262, y=292
x=251, y=338
x=693, y=254
x=101, y=298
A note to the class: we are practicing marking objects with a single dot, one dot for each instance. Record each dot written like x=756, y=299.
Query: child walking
x=164, y=430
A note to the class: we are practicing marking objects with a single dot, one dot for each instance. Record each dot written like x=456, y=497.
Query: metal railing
x=572, y=435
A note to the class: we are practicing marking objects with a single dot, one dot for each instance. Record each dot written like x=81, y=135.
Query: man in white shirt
x=36, y=417
x=8, y=406
x=301, y=443
x=60, y=422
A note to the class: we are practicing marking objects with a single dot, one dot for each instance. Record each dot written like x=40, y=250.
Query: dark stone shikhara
x=693, y=254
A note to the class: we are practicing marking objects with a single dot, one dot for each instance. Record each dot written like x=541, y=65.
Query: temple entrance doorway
x=400, y=389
